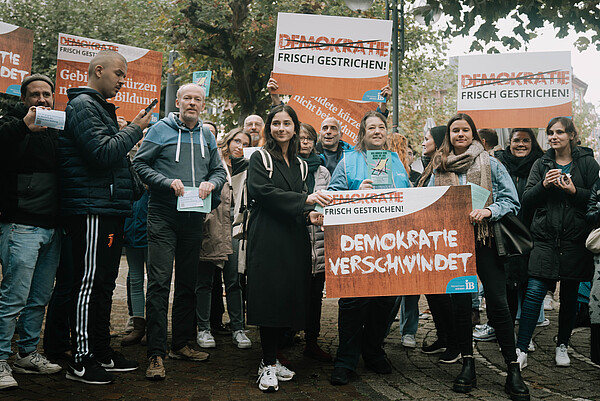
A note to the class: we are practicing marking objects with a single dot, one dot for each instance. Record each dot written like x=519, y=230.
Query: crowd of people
x=70, y=203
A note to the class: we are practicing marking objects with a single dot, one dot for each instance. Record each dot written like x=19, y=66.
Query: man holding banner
x=96, y=196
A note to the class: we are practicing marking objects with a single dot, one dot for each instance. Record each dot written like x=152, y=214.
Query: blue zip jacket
x=167, y=154
x=353, y=169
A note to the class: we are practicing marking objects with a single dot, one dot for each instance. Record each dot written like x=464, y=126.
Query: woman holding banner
x=557, y=192
x=461, y=160
x=362, y=322
x=278, y=257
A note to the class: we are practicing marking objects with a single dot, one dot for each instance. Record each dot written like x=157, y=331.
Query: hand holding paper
x=205, y=189
x=29, y=120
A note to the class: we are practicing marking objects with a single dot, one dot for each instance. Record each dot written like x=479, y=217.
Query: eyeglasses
x=524, y=140
x=240, y=142
x=304, y=139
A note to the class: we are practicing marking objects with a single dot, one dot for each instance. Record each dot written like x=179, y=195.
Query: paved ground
x=230, y=374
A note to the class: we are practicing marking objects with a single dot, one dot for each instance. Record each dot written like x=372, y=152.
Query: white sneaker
x=531, y=346
x=562, y=357
x=545, y=323
x=284, y=374
x=409, y=341
x=267, y=378
x=205, y=339
x=522, y=359
x=35, y=363
x=484, y=332
x=6, y=378
x=548, y=302
x=241, y=339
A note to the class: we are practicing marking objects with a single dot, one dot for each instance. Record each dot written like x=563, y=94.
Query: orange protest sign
x=313, y=110
x=16, y=51
x=400, y=242
x=142, y=85
x=336, y=57
x=515, y=89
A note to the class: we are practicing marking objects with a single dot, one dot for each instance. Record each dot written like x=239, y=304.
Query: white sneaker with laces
x=562, y=356
x=531, y=346
x=284, y=374
x=35, y=363
x=484, y=332
x=409, y=341
x=205, y=339
x=6, y=378
x=241, y=339
x=267, y=378
x=522, y=359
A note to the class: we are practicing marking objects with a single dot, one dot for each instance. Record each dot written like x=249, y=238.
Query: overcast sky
x=586, y=65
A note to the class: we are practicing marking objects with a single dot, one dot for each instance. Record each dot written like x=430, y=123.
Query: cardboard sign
x=142, y=85
x=202, y=78
x=515, y=89
x=16, y=51
x=336, y=57
x=399, y=242
x=313, y=110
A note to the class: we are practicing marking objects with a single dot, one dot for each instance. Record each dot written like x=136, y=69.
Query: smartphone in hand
x=150, y=107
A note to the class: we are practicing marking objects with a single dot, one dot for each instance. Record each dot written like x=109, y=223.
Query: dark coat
x=592, y=216
x=28, y=172
x=94, y=171
x=558, y=227
x=279, y=256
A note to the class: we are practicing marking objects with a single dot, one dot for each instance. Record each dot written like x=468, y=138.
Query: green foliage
x=581, y=16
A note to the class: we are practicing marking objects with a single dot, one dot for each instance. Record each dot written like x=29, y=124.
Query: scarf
x=518, y=166
x=313, y=161
x=475, y=163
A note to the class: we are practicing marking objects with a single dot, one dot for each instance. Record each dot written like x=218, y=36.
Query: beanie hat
x=35, y=77
x=438, y=133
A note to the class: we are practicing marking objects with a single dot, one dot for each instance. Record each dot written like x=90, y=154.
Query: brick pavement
x=230, y=374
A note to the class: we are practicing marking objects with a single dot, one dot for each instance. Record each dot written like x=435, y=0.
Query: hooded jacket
x=94, y=171
x=28, y=172
x=558, y=227
x=171, y=150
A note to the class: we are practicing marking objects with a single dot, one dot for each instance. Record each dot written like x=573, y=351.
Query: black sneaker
x=89, y=372
x=118, y=363
x=451, y=355
x=437, y=347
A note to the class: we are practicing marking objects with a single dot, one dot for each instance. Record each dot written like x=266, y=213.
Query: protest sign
x=16, y=51
x=142, y=85
x=399, y=242
x=313, y=110
x=335, y=57
x=515, y=89
x=202, y=78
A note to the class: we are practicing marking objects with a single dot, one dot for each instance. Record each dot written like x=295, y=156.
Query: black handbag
x=512, y=237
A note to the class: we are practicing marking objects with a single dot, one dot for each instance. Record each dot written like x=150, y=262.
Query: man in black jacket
x=29, y=241
x=96, y=196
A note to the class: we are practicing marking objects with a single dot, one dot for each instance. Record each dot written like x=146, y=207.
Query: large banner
x=313, y=110
x=399, y=242
x=335, y=57
x=516, y=89
x=142, y=85
x=16, y=51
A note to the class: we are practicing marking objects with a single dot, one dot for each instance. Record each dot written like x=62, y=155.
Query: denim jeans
x=408, y=305
x=136, y=260
x=534, y=297
x=29, y=257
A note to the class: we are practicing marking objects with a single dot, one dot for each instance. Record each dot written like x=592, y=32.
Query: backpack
x=240, y=193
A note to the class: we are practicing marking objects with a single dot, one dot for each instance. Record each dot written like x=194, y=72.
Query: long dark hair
x=441, y=156
x=569, y=129
x=271, y=146
x=362, y=130
x=535, y=146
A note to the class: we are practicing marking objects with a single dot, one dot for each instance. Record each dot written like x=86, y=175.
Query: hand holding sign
x=319, y=198
x=29, y=121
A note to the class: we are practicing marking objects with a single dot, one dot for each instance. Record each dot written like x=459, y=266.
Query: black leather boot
x=466, y=379
x=595, y=343
x=515, y=386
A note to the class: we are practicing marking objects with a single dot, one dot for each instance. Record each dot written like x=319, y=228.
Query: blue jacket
x=504, y=192
x=353, y=169
x=339, y=153
x=94, y=172
x=166, y=154
x=135, y=230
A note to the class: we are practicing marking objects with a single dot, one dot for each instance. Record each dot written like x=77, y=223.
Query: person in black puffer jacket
x=593, y=218
x=96, y=196
x=557, y=192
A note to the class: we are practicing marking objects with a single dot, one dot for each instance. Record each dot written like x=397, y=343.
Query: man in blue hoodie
x=96, y=193
x=178, y=156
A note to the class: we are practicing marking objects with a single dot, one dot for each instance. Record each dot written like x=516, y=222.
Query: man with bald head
x=330, y=147
x=253, y=124
x=96, y=197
